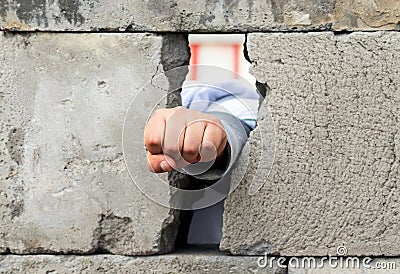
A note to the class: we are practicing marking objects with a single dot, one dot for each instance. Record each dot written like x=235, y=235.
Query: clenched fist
x=177, y=137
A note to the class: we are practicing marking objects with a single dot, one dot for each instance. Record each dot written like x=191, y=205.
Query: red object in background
x=194, y=60
x=236, y=56
x=194, y=49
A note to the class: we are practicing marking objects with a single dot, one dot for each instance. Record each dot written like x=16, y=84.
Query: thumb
x=158, y=163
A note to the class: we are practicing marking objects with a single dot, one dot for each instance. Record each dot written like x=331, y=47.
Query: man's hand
x=179, y=136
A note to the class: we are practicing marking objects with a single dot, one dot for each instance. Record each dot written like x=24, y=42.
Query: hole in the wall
x=203, y=228
x=175, y=53
x=262, y=88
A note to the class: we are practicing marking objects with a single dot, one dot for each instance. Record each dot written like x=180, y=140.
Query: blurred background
x=220, y=50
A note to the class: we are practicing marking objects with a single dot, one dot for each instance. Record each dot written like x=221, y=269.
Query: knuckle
x=190, y=151
x=171, y=149
x=153, y=141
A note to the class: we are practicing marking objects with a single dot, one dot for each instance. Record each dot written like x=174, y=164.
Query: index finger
x=154, y=134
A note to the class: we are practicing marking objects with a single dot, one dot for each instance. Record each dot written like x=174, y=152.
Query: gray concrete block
x=199, y=262
x=177, y=15
x=335, y=104
x=367, y=15
x=64, y=186
x=204, y=15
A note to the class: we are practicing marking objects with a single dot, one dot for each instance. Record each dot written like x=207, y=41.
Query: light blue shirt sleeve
x=235, y=103
x=236, y=97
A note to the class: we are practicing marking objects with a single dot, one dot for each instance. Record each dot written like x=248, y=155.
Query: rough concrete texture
x=367, y=15
x=204, y=15
x=335, y=103
x=200, y=262
x=64, y=187
x=345, y=265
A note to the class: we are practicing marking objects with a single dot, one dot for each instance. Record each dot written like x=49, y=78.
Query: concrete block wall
x=64, y=184
x=331, y=71
x=335, y=103
x=203, y=15
x=199, y=262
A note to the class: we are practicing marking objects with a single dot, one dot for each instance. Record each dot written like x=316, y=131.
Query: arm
x=219, y=116
x=235, y=104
